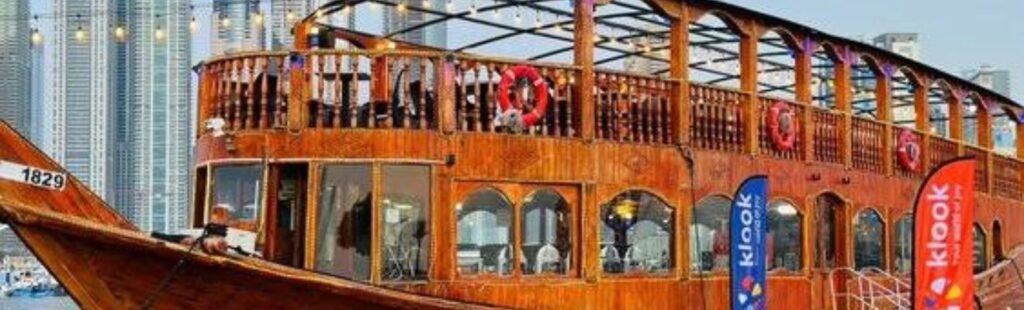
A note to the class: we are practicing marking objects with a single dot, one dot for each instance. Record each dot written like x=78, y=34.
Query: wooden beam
x=804, y=74
x=583, y=59
x=748, y=85
x=679, y=72
x=297, y=108
x=843, y=104
x=883, y=96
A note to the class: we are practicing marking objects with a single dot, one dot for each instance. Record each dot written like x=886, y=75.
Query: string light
x=193, y=25
x=536, y=19
x=346, y=10
x=450, y=5
x=426, y=4
x=225, y=22
x=37, y=37
x=159, y=33
x=257, y=18
x=119, y=32
x=518, y=18
x=497, y=15
x=289, y=16
x=80, y=34
x=401, y=7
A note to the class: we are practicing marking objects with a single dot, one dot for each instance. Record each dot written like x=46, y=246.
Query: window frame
x=673, y=271
x=261, y=196
x=782, y=272
x=693, y=217
x=515, y=193
x=894, y=245
x=985, y=253
x=573, y=244
x=883, y=238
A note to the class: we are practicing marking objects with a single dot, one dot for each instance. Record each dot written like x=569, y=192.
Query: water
x=48, y=303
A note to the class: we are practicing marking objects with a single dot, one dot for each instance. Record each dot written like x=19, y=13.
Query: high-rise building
x=434, y=35
x=997, y=80
x=39, y=120
x=645, y=65
x=904, y=44
x=285, y=13
x=238, y=25
x=15, y=64
x=156, y=118
x=82, y=94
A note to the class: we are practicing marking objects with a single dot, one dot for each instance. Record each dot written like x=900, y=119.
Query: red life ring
x=540, y=89
x=908, y=150
x=782, y=126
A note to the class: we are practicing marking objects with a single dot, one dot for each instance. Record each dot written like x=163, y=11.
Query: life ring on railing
x=782, y=126
x=512, y=110
x=908, y=150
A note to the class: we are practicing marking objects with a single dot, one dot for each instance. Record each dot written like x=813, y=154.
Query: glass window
x=546, y=237
x=236, y=196
x=867, y=240
x=343, y=221
x=637, y=234
x=484, y=242
x=785, y=237
x=406, y=204
x=980, y=251
x=710, y=234
x=904, y=248
x=826, y=217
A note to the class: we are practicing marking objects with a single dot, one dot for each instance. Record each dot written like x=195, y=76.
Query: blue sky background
x=955, y=35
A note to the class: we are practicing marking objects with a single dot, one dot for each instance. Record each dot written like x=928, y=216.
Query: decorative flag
x=943, y=254
x=748, y=233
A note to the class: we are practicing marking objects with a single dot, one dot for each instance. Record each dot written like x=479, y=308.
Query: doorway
x=829, y=247
x=287, y=214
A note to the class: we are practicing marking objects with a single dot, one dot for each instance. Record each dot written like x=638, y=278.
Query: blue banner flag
x=748, y=234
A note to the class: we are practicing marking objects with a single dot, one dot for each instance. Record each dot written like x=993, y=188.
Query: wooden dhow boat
x=374, y=170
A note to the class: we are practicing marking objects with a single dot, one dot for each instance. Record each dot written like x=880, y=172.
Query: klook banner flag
x=748, y=235
x=943, y=253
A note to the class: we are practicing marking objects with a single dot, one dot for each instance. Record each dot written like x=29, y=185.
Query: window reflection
x=826, y=216
x=236, y=196
x=546, y=236
x=785, y=241
x=904, y=248
x=484, y=244
x=637, y=234
x=405, y=206
x=344, y=218
x=980, y=251
x=868, y=229
x=709, y=234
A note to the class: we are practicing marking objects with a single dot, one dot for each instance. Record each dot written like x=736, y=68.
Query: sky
x=955, y=35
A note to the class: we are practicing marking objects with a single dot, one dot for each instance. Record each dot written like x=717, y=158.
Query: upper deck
x=709, y=74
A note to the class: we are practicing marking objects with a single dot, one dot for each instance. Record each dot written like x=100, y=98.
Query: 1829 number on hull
x=32, y=175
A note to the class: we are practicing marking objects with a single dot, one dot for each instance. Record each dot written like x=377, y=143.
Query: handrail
x=890, y=296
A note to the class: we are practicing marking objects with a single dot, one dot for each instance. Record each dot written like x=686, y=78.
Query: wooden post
x=207, y=96
x=984, y=122
x=679, y=42
x=583, y=58
x=446, y=93
x=922, y=120
x=883, y=96
x=804, y=74
x=300, y=91
x=843, y=104
x=748, y=85
x=956, y=123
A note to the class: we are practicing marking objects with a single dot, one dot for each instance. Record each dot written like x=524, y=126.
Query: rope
x=148, y=304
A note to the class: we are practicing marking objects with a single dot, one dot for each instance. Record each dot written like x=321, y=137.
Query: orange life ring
x=908, y=150
x=782, y=126
x=540, y=89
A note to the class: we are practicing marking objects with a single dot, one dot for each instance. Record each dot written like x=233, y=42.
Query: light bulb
x=426, y=4
x=518, y=18
x=257, y=18
x=450, y=6
x=290, y=16
x=314, y=30
x=193, y=25
x=159, y=35
x=401, y=7
x=472, y=9
x=119, y=32
x=37, y=37
x=374, y=6
x=225, y=22
x=80, y=34
x=497, y=15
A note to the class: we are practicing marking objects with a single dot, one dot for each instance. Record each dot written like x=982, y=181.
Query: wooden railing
x=764, y=132
x=981, y=170
x=827, y=142
x=717, y=118
x=476, y=101
x=632, y=108
x=1006, y=174
x=247, y=91
x=404, y=89
x=868, y=145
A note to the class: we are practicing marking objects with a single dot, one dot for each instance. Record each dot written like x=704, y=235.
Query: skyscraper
x=157, y=116
x=39, y=120
x=904, y=44
x=82, y=97
x=284, y=15
x=435, y=35
x=238, y=25
x=15, y=64
x=992, y=78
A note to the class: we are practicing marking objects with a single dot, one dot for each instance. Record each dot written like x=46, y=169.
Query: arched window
x=864, y=82
x=972, y=110
x=714, y=52
x=709, y=234
x=1004, y=134
x=939, y=97
x=546, y=236
x=776, y=62
x=637, y=234
x=903, y=87
x=904, y=247
x=823, y=88
x=980, y=251
x=785, y=237
x=868, y=230
x=484, y=233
